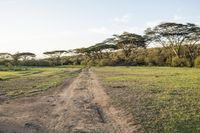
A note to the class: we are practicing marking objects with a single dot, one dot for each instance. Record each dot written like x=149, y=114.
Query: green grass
x=33, y=80
x=161, y=99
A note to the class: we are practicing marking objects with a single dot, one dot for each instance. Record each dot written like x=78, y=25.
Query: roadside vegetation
x=167, y=44
x=161, y=99
x=27, y=81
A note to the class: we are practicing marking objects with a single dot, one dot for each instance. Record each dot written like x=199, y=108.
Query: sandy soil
x=78, y=106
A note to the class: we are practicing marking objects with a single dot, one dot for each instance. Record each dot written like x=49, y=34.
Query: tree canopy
x=174, y=35
x=129, y=41
x=179, y=45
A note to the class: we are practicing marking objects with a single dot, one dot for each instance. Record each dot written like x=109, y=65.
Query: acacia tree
x=16, y=57
x=96, y=52
x=26, y=55
x=5, y=56
x=85, y=54
x=174, y=35
x=99, y=49
x=109, y=46
x=128, y=42
x=55, y=56
x=191, y=46
x=83, y=51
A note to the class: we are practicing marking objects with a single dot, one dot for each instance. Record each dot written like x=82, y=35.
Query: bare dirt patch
x=81, y=107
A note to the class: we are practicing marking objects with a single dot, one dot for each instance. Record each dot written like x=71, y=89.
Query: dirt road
x=80, y=106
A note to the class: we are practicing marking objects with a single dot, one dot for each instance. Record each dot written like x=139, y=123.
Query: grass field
x=28, y=81
x=161, y=99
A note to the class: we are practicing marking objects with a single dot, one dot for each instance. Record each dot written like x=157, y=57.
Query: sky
x=44, y=25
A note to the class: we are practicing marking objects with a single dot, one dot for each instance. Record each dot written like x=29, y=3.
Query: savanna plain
x=99, y=99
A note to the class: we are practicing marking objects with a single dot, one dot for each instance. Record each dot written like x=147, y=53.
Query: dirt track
x=81, y=106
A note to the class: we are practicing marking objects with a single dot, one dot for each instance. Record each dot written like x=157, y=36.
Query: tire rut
x=81, y=107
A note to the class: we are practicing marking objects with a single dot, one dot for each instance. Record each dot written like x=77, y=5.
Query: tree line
x=167, y=44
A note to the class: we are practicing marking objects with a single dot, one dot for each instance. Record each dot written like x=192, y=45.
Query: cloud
x=122, y=24
x=100, y=30
x=181, y=19
x=153, y=23
x=177, y=18
x=109, y=31
x=118, y=25
x=134, y=29
x=123, y=19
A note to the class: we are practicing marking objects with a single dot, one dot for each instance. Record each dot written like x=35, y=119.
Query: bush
x=197, y=62
x=91, y=63
x=105, y=62
x=84, y=62
x=138, y=61
x=180, y=62
x=9, y=65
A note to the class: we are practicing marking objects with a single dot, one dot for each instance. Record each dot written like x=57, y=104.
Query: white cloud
x=153, y=23
x=181, y=19
x=118, y=25
x=124, y=19
x=100, y=30
x=138, y=30
x=109, y=31
x=177, y=18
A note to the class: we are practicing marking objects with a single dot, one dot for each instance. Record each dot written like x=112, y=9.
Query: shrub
x=84, y=62
x=140, y=60
x=197, y=62
x=91, y=63
x=105, y=62
x=9, y=65
x=179, y=62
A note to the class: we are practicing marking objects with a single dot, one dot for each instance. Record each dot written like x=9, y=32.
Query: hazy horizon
x=44, y=25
